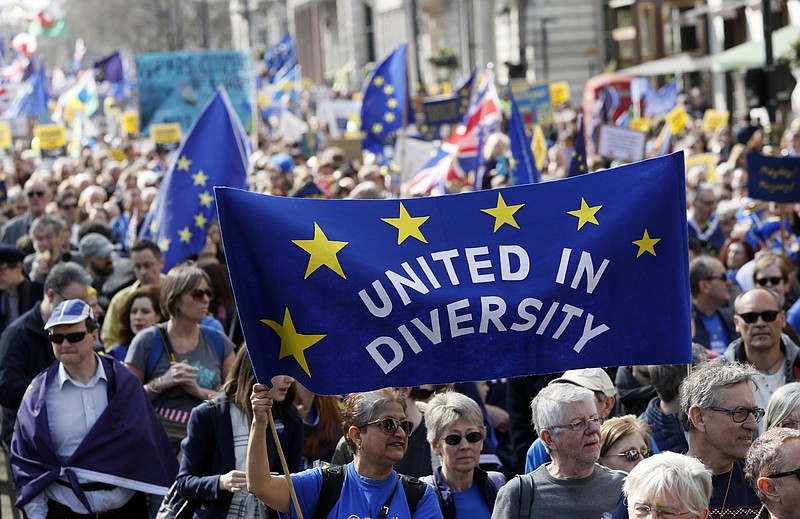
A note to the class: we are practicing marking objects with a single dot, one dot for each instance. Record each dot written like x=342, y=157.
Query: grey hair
x=361, y=408
x=446, y=408
x=703, y=387
x=783, y=401
x=670, y=473
x=47, y=220
x=64, y=274
x=546, y=406
x=765, y=455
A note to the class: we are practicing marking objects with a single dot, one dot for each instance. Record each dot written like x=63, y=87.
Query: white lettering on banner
x=585, y=266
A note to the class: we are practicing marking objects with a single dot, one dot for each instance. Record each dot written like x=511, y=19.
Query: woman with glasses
x=783, y=409
x=456, y=432
x=774, y=270
x=376, y=430
x=180, y=362
x=668, y=485
x=624, y=442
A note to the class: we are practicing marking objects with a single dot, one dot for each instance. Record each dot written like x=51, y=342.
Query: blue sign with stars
x=353, y=295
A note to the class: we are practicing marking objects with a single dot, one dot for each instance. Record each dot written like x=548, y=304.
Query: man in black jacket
x=18, y=294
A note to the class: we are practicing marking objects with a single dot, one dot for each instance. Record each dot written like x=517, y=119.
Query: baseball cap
x=595, y=379
x=10, y=254
x=95, y=244
x=71, y=311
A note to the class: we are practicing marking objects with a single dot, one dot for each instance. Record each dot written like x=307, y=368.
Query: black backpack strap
x=332, y=483
x=414, y=489
x=525, y=495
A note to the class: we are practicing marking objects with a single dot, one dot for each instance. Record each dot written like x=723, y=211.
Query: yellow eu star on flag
x=503, y=214
x=322, y=252
x=585, y=214
x=292, y=342
x=407, y=226
x=646, y=244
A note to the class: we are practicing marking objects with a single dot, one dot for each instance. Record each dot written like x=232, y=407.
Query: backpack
x=333, y=481
x=157, y=347
x=525, y=495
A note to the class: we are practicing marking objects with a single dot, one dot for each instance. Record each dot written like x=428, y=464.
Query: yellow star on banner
x=503, y=214
x=407, y=226
x=200, y=178
x=184, y=163
x=205, y=198
x=185, y=234
x=377, y=128
x=323, y=252
x=293, y=343
x=389, y=117
x=585, y=214
x=391, y=103
x=388, y=90
x=512, y=163
x=164, y=244
x=378, y=81
x=200, y=220
x=646, y=244
x=153, y=227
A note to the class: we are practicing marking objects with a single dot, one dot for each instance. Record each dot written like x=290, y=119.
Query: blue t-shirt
x=717, y=335
x=470, y=504
x=362, y=497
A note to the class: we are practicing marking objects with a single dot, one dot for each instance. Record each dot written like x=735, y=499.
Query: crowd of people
x=119, y=381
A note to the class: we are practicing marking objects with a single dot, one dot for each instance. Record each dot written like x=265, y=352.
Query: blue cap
x=71, y=311
x=282, y=161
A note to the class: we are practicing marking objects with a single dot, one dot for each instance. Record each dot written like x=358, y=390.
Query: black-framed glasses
x=198, y=294
x=73, y=338
x=723, y=276
x=640, y=510
x=390, y=425
x=769, y=281
x=795, y=472
x=455, y=439
x=633, y=454
x=740, y=413
x=751, y=317
x=580, y=424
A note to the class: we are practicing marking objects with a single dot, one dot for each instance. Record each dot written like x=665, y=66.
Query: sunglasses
x=74, y=337
x=32, y=194
x=723, y=276
x=633, y=454
x=795, y=472
x=390, y=425
x=455, y=439
x=752, y=317
x=771, y=281
x=68, y=207
x=198, y=294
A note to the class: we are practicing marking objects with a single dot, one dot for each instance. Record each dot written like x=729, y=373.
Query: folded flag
x=523, y=164
x=31, y=100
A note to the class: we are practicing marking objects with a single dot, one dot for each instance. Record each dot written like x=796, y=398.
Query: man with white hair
x=772, y=470
x=38, y=194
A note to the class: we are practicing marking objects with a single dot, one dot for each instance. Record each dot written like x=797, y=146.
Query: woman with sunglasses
x=624, y=442
x=456, y=432
x=180, y=362
x=376, y=430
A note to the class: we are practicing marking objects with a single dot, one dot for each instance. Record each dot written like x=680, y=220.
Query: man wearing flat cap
x=108, y=275
x=82, y=429
x=18, y=294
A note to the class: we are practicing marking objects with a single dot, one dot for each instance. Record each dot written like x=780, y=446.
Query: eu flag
x=384, y=98
x=31, y=100
x=352, y=295
x=214, y=153
x=523, y=165
x=577, y=162
x=280, y=58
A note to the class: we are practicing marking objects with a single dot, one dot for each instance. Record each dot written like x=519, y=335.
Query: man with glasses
x=70, y=212
x=38, y=194
x=773, y=470
x=573, y=484
x=24, y=346
x=710, y=288
x=759, y=319
x=703, y=223
x=100, y=423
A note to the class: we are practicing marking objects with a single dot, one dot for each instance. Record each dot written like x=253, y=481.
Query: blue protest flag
x=662, y=101
x=280, y=59
x=776, y=179
x=109, y=68
x=352, y=295
x=523, y=168
x=384, y=98
x=577, y=162
x=31, y=100
x=214, y=153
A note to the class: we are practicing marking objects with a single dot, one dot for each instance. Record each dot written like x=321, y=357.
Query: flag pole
x=285, y=465
x=401, y=146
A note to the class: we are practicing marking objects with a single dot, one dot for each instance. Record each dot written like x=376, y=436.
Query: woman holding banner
x=376, y=430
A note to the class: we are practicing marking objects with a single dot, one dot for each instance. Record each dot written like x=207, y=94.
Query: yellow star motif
x=200, y=178
x=164, y=244
x=503, y=214
x=389, y=117
x=388, y=90
x=293, y=343
x=391, y=103
x=585, y=214
x=185, y=234
x=200, y=220
x=646, y=244
x=378, y=81
x=407, y=226
x=184, y=163
x=153, y=227
x=205, y=198
x=512, y=163
x=377, y=128
x=323, y=252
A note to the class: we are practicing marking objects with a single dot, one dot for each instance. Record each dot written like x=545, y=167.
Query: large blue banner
x=352, y=295
x=175, y=86
x=773, y=178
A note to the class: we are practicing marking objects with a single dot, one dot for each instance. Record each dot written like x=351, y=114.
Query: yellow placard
x=539, y=146
x=677, y=119
x=5, y=135
x=51, y=136
x=643, y=125
x=559, y=92
x=713, y=119
x=166, y=133
x=706, y=162
x=130, y=122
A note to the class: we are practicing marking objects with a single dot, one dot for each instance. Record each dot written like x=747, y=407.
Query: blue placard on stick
x=773, y=178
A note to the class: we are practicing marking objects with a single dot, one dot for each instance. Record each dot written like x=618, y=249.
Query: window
x=647, y=46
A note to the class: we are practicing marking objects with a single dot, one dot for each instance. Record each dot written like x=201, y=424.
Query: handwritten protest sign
x=773, y=178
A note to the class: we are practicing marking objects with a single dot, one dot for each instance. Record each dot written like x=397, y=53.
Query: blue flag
x=109, y=68
x=214, y=153
x=577, y=162
x=776, y=179
x=280, y=59
x=384, y=98
x=523, y=168
x=31, y=100
x=352, y=295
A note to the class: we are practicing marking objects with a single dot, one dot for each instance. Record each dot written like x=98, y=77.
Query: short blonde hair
x=671, y=473
x=615, y=428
